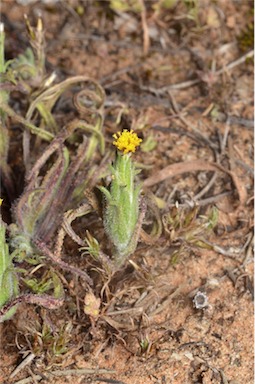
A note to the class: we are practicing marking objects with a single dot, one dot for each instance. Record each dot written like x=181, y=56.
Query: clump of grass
x=184, y=228
x=52, y=345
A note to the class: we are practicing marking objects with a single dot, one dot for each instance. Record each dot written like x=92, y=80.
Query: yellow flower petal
x=126, y=141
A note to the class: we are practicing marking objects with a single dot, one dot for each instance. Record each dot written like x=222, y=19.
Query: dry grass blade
x=53, y=93
x=23, y=364
x=81, y=372
x=119, y=325
x=67, y=372
x=146, y=37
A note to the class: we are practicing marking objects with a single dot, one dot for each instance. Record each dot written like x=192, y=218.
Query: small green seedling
x=121, y=213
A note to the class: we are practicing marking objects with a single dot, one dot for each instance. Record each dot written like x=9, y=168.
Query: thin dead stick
x=80, y=372
x=208, y=186
x=232, y=253
x=231, y=154
x=117, y=325
x=109, y=381
x=161, y=91
x=67, y=372
x=137, y=311
x=213, y=199
x=235, y=63
x=146, y=37
x=248, y=248
x=30, y=379
x=224, y=140
x=22, y=365
x=201, y=203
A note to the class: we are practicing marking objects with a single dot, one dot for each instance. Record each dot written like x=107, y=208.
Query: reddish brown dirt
x=185, y=345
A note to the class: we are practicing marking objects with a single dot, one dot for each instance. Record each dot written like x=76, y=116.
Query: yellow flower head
x=126, y=141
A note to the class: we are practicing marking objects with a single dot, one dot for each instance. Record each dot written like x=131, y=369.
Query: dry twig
x=22, y=365
x=67, y=372
x=146, y=37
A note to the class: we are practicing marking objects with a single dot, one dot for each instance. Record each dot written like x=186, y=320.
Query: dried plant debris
x=126, y=165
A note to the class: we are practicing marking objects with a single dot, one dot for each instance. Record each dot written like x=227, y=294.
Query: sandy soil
x=183, y=93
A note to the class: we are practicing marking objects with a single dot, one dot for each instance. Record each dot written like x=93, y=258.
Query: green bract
x=122, y=208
